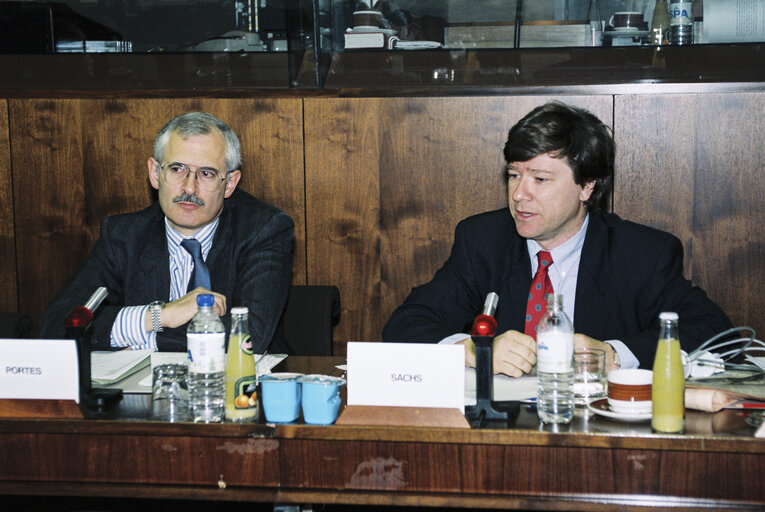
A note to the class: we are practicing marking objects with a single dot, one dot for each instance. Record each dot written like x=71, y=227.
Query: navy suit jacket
x=250, y=262
x=628, y=274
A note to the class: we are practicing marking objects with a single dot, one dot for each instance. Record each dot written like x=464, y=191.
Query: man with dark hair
x=615, y=276
x=202, y=236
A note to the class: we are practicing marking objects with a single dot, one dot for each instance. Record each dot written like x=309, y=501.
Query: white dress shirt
x=563, y=275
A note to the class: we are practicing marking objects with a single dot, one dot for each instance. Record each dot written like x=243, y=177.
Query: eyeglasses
x=209, y=179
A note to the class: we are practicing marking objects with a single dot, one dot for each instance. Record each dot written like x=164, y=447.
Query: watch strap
x=156, y=320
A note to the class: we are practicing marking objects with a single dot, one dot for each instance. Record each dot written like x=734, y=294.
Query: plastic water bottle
x=555, y=364
x=206, y=340
x=681, y=22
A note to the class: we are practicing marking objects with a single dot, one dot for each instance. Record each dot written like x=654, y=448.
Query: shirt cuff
x=128, y=329
x=454, y=338
x=626, y=358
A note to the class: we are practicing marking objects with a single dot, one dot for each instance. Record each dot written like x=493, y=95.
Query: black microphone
x=483, y=332
x=76, y=326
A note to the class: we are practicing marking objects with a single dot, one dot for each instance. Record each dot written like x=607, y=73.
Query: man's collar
x=204, y=235
x=567, y=249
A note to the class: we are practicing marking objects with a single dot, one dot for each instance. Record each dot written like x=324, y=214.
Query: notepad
x=108, y=367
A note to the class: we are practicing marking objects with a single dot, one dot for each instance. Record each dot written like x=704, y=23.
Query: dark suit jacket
x=628, y=274
x=250, y=262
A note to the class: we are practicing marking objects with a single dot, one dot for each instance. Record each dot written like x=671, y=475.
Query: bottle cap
x=205, y=300
x=668, y=315
x=239, y=310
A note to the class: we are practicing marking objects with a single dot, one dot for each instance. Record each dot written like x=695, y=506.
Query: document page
x=742, y=21
x=107, y=367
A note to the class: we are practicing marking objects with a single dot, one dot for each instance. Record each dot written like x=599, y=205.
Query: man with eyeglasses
x=202, y=236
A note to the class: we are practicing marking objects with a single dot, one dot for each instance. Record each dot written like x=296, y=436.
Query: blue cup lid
x=280, y=377
x=322, y=379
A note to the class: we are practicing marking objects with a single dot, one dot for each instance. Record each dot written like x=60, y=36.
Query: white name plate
x=406, y=375
x=39, y=369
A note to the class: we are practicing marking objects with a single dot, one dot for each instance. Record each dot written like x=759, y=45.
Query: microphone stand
x=482, y=333
x=76, y=327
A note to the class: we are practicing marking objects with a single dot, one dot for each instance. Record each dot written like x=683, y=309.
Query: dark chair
x=305, y=328
x=15, y=325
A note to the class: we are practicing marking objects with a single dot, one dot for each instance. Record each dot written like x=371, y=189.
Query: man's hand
x=581, y=341
x=180, y=311
x=514, y=353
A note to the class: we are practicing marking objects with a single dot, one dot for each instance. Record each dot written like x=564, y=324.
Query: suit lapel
x=153, y=261
x=515, y=285
x=219, y=269
x=591, y=311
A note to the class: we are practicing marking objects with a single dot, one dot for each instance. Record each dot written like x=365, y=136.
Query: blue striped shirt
x=128, y=328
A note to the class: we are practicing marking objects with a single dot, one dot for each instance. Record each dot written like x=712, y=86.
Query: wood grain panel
x=342, y=139
x=517, y=470
x=48, y=154
x=8, y=291
x=387, y=180
x=147, y=459
x=691, y=164
x=80, y=160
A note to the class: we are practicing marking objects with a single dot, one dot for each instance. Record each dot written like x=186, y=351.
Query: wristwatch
x=617, y=359
x=155, y=308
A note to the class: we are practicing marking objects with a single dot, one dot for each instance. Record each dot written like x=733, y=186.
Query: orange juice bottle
x=241, y=399
x=668, y=389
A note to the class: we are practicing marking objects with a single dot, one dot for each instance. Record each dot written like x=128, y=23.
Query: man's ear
x=231, y=183
x=587, y=190
x=153, y=167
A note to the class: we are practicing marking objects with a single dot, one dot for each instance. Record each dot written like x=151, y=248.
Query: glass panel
x=360, y=43
x=501, y=24
x=143, y=26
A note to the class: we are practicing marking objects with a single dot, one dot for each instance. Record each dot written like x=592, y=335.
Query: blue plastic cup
x=321, y=398
x=280, y=393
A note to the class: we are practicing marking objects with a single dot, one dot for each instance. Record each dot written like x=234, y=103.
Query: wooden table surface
x=593, y=464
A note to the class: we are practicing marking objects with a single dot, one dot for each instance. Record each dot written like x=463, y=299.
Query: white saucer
x=386, y=31
x=625, y=33
x=417, y=45
x=601, y=408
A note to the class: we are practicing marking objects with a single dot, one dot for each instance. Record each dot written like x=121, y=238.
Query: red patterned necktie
x=540, y=287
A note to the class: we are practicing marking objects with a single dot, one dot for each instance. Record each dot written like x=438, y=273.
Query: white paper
x=406, y=375
x=265, y=363
x=39, y=369
x=505, y=388
x=734, y=22
x=159, y=358
x=107, y=367
x=760, y=430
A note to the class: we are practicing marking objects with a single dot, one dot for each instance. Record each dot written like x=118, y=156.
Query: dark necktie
x=540, y=287
x=200, y=275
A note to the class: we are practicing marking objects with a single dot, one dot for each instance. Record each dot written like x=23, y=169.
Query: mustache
x=188, y=198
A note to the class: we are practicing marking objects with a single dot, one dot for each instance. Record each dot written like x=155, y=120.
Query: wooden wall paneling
x=49, y=190
x=408, y=169
x=99, y=149
x=271, y=132
x=342, y=158
x=8, y=291
x=692, y=165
